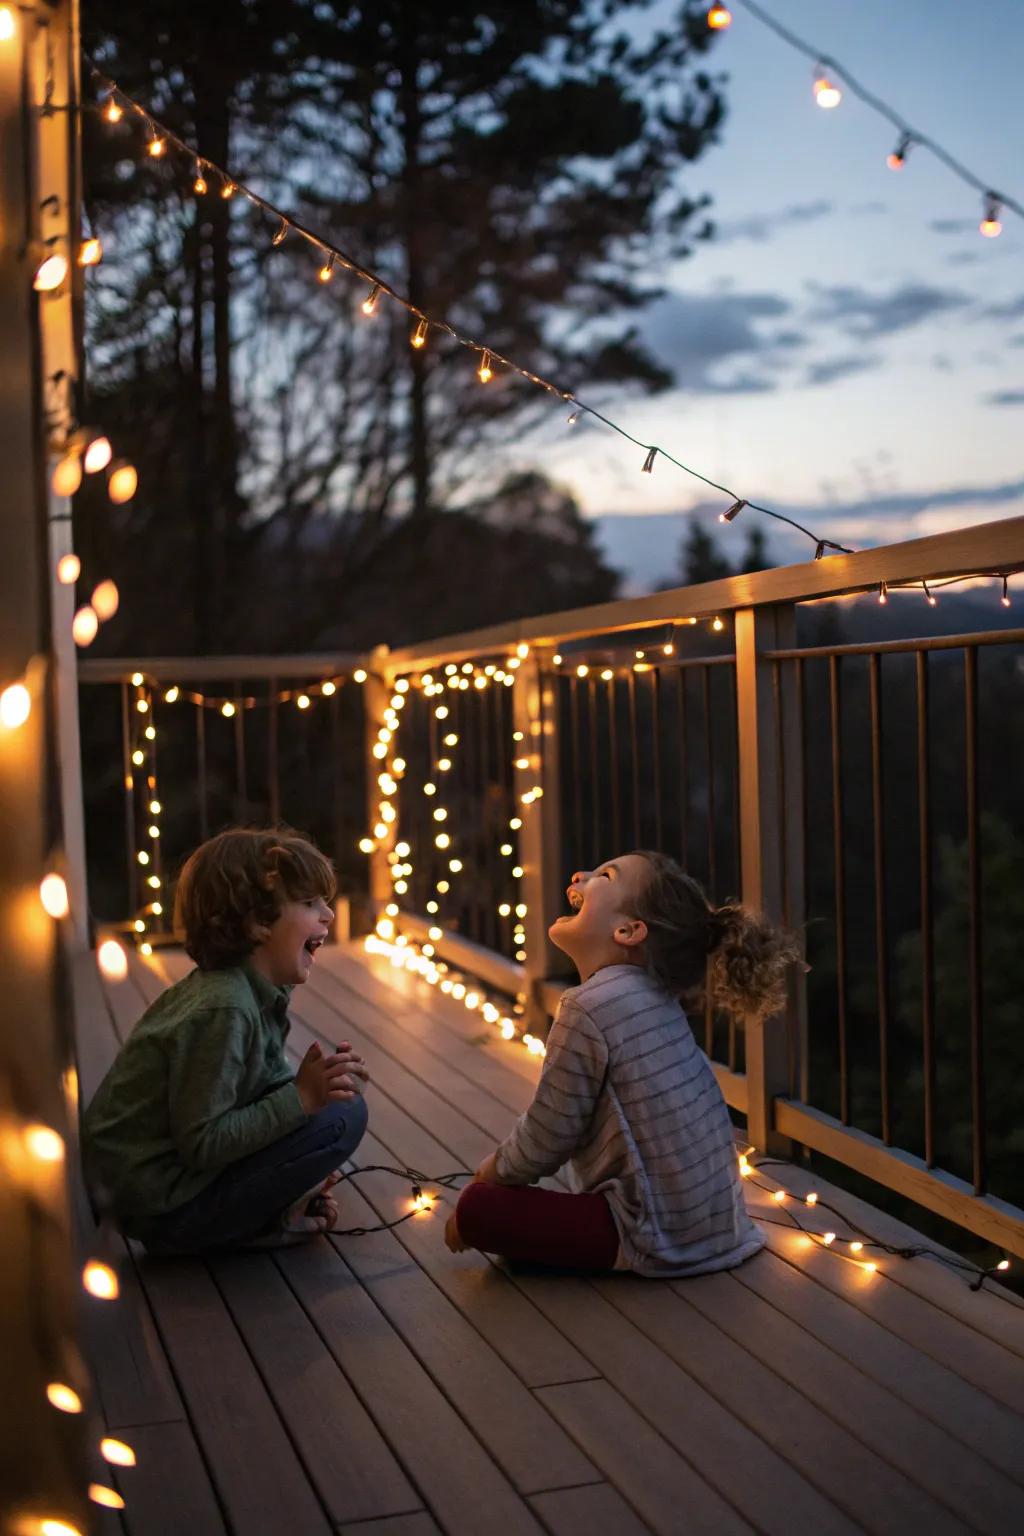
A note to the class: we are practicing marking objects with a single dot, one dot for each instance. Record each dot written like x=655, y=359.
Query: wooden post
x=535, y=711
x=376, y=693
x=771, y=834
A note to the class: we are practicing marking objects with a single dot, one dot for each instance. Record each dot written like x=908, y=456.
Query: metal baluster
x=634, y=758
x=840, y=883
x=577, y=804
x=595, y=778
x=613, y=749
x=656, y=746
x=979, y=1169
x=881, y=952
x=927, y=932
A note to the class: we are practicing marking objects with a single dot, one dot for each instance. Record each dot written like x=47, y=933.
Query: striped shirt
x=629, y=1099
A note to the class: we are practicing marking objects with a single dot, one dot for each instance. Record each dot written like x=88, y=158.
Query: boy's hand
x=487, y=1173
x=322, y=1079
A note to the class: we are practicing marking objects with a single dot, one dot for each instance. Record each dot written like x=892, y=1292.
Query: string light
x=7, y=24
x=883, y=593
x=719, y=18
x=327, y=270
x=64, y=1398
x=280, y=233
x=1005, y=599
x=44, y=1144
x=227, y=190
x=199, y=184
x=122, y=482
x=419, y=336
x=826, y=93
x=53, y=893
x=100, y=1281
x=99, y=1493
x=50, y=273
x=932, y=599
x=990, y=225
x=90, y=252
x=733, y=512
x=369, y=304
x=157, y=147
x=898, y=158
x=15, y=706
x=117, y=1452
x=65, y=480
x=112, y=960
x=485, y=372
x=105, y=600
x=98, y=454
x=112, y=112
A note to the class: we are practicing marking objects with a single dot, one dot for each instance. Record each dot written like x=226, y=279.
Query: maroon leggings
x=539, y=1226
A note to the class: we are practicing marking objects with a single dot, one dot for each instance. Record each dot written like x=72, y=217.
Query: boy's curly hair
x=233, y=886
x=742, y=958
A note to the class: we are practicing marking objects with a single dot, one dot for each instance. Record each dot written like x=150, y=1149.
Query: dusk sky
x=849, y=347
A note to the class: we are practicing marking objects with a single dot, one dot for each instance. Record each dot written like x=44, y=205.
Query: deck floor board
x=381, y=1386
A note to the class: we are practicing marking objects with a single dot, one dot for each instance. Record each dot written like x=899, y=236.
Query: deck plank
x=258, y=1474
x=872, y=1493
x=458, y=1479
x=728, y=1455
x=169, y=1491
x=350, y=1464
x=649, y=1474
x=987, y=1427
x=582, y=1511
x=896, y=1432
x=418, y=1524
x=532, y=1450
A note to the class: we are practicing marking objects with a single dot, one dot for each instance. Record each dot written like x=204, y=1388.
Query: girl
x=626, y=1094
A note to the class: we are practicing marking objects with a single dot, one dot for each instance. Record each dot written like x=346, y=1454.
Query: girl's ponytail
x=743, y=958
x=748, y=961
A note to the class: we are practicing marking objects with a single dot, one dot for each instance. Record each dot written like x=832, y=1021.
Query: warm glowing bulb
x=302, y=702
x=508, y=1029
x=105, y=600
x=199, y=186
x=112, y=112
x=156, y=147
x=15, y=706
x=50, y=273
x=828, y=1239
x=419, y=336
x=485, y=372
x=64, y=1397
x=369, y=304
x=717, y=624
x=57, y=1528
x=826, y=94
x=138, y=757
x=856, y=1247
x=117, y=1453
x=45, y=1145
x=719, y=17
x=359, y=676
x=53, y=893
x=7, y=27
x=227, y=190
x=227, y=709
x=122, y=482
x=90, y=252
x=68, y=566
x=990, y=228
x=779, y=1195
x=97, y=455
x=442, y=840
x=100, y=1280
x=326, y=271
x=112, y=960
x=100, y=1494
x=366, y=845
x=65, y=480
x=328, y=688
x=812, y=1199
x=871, y=1268
x=582, y=670
x=1003, y=1264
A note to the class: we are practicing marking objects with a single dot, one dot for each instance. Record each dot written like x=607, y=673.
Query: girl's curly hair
x=743, y=959
x=233, y=887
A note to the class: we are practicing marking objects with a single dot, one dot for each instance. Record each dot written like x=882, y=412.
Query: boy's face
x=600, y=929
x=286, y=954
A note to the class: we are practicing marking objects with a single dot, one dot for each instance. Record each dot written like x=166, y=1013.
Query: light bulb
x=105, y=600
x=138, y=757
x=122, y=482
x=359, y=676
x=97, y=455
x=369, y=304
x=50, y=273
x=53, y=893
x=112, y=960
x=582, y=670
x=227, y=190
x=990, y=225
x=419, y=336
x=199, y=185
x=280, y=233
x=327, y=270
x=65, y=480
x=328, y=688
x=826, y=94
x=828, y=1239
x=302, y=702
x=812, y=1199
x=778, y=1195
x=157, y=147
x=49, y=1527
x=607, y=675
x=99, y=1493
x=90, y=252
x=7, y=26
x=485, y=372
x=856, y=1247
x=366, y=845
x=719, y=17
x=15, y=706
x=63, y=1397
x=717, y=624
x=85, y=625
x=898, y=158
x=112, y=112
x=117, y=1453
x=883, y=593
x=155, y=807
x=171, y=695
x=227, y=709
x=45, y=1145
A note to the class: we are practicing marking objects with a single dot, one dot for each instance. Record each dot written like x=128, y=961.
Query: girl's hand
x=355, y=1065
x=487, y=1173
x=452, y=1236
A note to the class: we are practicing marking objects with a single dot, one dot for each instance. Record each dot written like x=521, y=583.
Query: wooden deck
x=382, y=1386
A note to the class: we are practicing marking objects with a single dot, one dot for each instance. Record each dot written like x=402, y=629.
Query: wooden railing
x=822, y=784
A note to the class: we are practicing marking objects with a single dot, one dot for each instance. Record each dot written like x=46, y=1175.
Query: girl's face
x=599, y=929
x=286, y=954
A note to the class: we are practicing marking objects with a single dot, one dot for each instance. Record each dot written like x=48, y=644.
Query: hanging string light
x=719, y=18
x=990, y=225
x=898, y=158
x=826, y=93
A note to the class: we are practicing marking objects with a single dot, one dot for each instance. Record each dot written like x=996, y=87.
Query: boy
x=200, y=1136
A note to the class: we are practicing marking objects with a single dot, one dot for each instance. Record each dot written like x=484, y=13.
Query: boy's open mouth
x=575, y=898
x=312, y=945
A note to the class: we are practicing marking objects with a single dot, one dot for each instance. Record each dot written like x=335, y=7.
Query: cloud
x=1006, y=397
x=1016, y=341
x=722, y=343
x=759, y=227
x=951, y=226
x=862, y=313
x=1012, y=309
x=832, y=368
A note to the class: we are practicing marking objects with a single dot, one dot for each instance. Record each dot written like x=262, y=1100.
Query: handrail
x=179, y=669
x=896, y=647
x=965, y=551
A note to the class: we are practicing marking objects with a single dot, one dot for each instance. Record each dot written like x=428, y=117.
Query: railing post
x=771, y=843
x=535, y=712
x=376, y=693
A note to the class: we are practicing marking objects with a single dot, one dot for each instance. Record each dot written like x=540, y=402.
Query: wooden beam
x=995, y=1220
x=197, y=669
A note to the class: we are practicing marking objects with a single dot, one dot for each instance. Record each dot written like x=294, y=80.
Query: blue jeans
x=244, y=1200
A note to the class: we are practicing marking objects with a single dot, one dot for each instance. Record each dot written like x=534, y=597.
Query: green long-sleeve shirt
x=202, y=1082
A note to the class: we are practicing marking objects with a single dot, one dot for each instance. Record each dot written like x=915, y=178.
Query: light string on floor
x=846, y=1248
x=208, y=177
x=828, y=71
